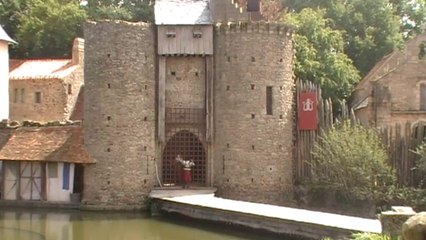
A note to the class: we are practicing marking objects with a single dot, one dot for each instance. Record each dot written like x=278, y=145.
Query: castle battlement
x=8, y=124
x=254, y=27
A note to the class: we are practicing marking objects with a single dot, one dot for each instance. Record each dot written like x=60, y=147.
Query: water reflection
x=24, y=224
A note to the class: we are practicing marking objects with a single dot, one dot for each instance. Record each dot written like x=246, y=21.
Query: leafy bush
x=366, y=236
x=421, y=162
x=409, y=196
x=351, y=160
x=369, y=236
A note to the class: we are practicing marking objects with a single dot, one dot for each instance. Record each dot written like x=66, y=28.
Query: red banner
x=308, y=117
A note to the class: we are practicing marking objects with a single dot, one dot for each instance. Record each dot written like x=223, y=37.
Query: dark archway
x=189, y=147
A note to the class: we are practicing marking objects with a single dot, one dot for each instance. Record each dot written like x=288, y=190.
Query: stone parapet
x=254, y=27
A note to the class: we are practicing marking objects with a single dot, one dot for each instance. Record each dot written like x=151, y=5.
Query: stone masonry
x=250, y=151
x=119, y=113
x=253, y=150
x=394, y=88
x=58, y=92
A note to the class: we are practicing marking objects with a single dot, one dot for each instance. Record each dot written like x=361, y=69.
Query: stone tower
x=217, y=92
x=120, y=113
x=5, y=40
x=253, y=116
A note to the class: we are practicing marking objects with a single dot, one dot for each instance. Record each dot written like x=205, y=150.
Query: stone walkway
x=350, y=223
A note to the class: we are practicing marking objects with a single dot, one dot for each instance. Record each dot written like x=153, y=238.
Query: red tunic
x=187, y=175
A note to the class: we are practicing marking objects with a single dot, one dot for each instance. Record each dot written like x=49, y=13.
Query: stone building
x=394, y=91
x=204, y=82
x=5, y=40
x=47, y=89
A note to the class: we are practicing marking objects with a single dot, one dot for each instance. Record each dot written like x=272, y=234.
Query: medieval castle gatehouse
x=204, y=82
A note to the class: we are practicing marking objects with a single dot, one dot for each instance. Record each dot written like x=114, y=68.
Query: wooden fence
x=400, y=139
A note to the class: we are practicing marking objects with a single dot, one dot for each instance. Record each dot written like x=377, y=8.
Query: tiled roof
x=182, y=12
x=4, y=36
x=40, y=69
x=47, y=144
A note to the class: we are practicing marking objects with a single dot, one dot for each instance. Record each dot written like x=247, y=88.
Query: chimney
x=78, y=51
x=5, y=40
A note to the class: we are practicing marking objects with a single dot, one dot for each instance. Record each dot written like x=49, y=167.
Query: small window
x=422, y=52
x=52, y=170
x=170, y=34
x=197, y=34
x=22, y=95
x=37, y=97
x=269, y=100
x=15, y=95
x=69, y=89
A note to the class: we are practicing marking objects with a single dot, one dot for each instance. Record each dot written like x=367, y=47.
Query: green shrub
x=409, y=196
x=352, y=161
x=421, y=163
x=369, y=236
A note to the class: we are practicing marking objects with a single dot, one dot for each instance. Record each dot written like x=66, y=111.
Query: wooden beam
x=161, y=98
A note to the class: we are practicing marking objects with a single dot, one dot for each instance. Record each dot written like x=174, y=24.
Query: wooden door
x=30, y=181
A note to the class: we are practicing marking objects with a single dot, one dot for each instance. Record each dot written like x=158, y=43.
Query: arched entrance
x=189, y=147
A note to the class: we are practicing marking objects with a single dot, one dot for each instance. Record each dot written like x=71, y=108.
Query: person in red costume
x=186, y=164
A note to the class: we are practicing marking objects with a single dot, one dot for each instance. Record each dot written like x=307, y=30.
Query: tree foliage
x=47, y=27
x=371, y=28
x=421, y=162
x=320, y=55
x=351, y=160
x=10, y=10
x=128, y=10
x=412, y=14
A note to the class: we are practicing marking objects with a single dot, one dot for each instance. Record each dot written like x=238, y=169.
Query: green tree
x=371, y=27
x=372, y=31
x=10, y=11
x=320, y=55
x=47, y=28
x=128, y=10
x=412, y=14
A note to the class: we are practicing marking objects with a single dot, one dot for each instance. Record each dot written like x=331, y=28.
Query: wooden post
x=209, y=119
x=161, y=99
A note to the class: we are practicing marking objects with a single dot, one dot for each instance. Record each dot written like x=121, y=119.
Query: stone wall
x=75, y=81
x=119, y=113
x=185, y=82
x=53, y=105
x=253, y=150
x=402, y=73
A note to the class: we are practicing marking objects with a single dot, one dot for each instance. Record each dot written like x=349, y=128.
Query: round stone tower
x=253, y=111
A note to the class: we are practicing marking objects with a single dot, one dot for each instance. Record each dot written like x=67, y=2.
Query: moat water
x=40, y=224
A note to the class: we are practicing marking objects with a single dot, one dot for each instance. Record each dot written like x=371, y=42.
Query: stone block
x=415, y=227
